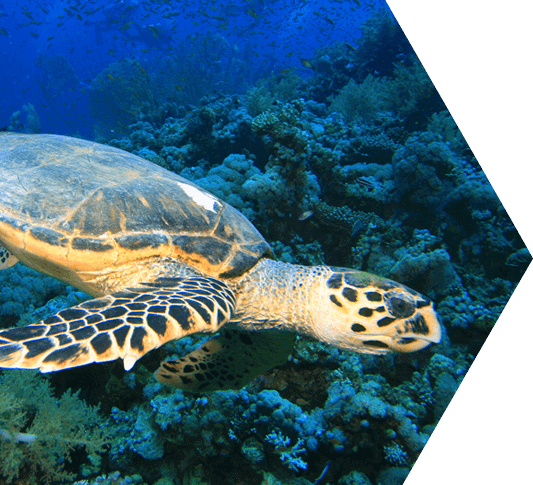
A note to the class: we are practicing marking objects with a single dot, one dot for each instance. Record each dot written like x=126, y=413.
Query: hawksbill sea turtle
x=163, y=258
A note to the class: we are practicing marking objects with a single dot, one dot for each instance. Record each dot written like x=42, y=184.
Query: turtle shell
x=72, y=206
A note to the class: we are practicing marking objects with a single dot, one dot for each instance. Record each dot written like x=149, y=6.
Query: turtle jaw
x=411, y=340
x=402, y=335
x=408, y=335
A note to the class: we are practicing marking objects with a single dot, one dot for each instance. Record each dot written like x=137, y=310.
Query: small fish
x=358, y=225
x=365, y=182
x=350, y=46
x=4, y=31
x=323, y=474
x=305, y=215
x=307, y=63
x=110, y=77
x=155, y=31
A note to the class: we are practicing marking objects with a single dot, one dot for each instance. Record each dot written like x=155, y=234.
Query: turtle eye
x=400, y=306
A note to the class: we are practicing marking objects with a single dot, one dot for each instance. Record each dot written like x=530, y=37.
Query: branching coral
x=288, y=454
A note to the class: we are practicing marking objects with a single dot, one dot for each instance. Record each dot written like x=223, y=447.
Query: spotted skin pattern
x=228, y=361
x=388, y=316
x=127, y=324
x=6, y=259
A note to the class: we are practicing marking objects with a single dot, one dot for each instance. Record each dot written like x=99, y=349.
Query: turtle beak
x=417, y=332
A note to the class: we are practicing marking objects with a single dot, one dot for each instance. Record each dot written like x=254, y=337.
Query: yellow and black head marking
x=377, y=315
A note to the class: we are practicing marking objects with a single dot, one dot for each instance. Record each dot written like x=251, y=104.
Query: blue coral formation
x=344, y=155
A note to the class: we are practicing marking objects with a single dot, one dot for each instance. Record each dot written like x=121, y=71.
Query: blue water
x=316, y=120
x=262, y=37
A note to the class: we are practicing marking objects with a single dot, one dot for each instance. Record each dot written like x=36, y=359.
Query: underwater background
x=318, y=122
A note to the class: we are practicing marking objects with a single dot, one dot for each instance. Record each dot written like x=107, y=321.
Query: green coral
x=342, y=218
x=39, y=433
x=259, y=99
x=253, y=451
x=265, y=123
x=158, y=161
x=268, y=93
x=287, y=186
x=299, y=253
x=362, y=101
x=408, y=94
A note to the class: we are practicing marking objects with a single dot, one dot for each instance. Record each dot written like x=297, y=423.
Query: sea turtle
x=164, y=259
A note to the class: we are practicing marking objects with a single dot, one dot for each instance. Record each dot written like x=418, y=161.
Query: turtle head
x=368, y=314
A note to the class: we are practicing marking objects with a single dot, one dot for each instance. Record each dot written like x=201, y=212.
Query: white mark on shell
x=201, y=198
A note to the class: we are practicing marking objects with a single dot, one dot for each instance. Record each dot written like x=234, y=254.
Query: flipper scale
x=228, y=361
x=127, y=324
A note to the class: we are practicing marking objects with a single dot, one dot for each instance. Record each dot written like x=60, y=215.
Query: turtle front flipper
x=6, y=259
x=127, y=324
x=228, y=361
